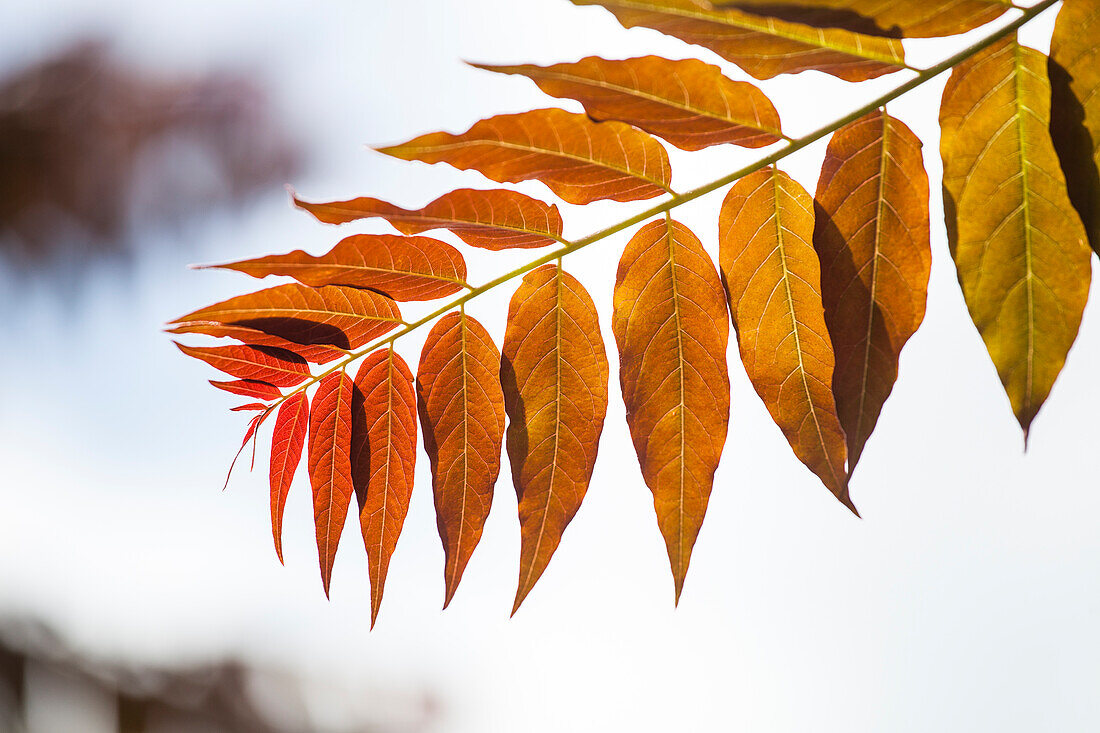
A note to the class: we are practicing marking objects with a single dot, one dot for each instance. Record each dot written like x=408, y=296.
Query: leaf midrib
x=1025, y=186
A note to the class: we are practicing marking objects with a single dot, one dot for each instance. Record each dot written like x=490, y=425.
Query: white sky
x=967, y=599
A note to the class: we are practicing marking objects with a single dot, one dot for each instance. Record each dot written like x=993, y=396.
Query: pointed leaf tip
x=773, y=280
x=461, y=408
x=1019, y=245
x=871, y=235
x=287, y=442
x=554, y=374
x=671, y=327
x=383, y=458
x=330, y=465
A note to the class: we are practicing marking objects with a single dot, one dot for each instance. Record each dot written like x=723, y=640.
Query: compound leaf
x=495, y=220
x=330, y=465
x=402, y=268
x=554, y=373
x=383, y=458
x=671, y=328
x=1075, y=109
x=578, y=159
x=461, y=408
x=872, y=238
x=688, y=103
x=764, y=47
x=287, y=441
x=274, y=366
x=773, y=278
x=331, y=315
x=1018, y=244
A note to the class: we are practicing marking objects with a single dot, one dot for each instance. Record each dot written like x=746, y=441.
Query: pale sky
x=967, y=599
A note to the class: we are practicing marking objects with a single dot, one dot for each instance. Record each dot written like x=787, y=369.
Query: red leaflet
x=274, y=366
x=313, y=353
x=496, y=219
x=253, y=424
x=383, y=458
x=249, y=388
x=251, y=406
x=286, y=451
x=330, y=465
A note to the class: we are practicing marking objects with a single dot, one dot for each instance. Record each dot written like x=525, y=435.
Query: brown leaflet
x=402, y=268
x=330, y=465
x=892, y=18
x=671, y=327
x=495, y=220
x=383, y=458
x=1074, y=69
x=333, y=315
x=462, y=412
x=313, y=353
x=871, y=235
x=1019, y=246
x=249, y=388
x=764, y=47
x=287, y=441
x=578, y=159
x=773, y=278
x=554, y=373
x=688, y=103
x=274, y=366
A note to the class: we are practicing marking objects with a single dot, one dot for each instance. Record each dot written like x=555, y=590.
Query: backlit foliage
x=823, y=290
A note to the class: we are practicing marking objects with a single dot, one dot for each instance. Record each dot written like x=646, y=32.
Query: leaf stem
x=675, y=200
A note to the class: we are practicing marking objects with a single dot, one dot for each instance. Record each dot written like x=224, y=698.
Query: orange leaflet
x=286, y=452
x=383, y=458
x=313, y=353
x=498, y=219
x=892, y=18
x=1019, y=246
x=764, y=47
x=330, y=465
x=672, y=328
x=688, y=103
x=403, y=268
x=249, y=388
x=334, y=315
x=274, y=366
x=871, y=235
x=578, y=159
x=773, y=278
x=462, y=412
x=554, y=374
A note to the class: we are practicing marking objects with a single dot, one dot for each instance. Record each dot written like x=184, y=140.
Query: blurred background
x=135, y=595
